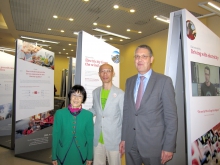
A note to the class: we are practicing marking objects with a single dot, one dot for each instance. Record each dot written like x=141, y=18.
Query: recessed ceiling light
x=76, y=33
x=139, y=31
x=121, y=39
x=116, y=6
x=95, y=23
x=69, y=44
x=108, y=26
x=85, y=0
x=49, y=47
x=64, y=49
x=49, y=29
x=66, y=53
x=162, y=18
x=55, y=16
x=132, y=10
x=59, y=52
x=111, y=38
x=72, y=50
x=62, y=31
x=37, y=39
x=71, y=19
x=128, y=30
x=110, y=33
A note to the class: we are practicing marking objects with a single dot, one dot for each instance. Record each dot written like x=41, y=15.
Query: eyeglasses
x=137, y=57
x=77, y=96
x=105, y=71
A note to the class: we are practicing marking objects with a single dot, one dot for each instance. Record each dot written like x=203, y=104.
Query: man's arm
x=170, y=116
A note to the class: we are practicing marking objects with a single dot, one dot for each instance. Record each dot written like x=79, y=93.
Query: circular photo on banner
x=115, y=56
x=191, y=30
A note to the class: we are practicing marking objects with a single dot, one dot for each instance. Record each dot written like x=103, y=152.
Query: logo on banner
x=191, y=30
x=115, y=56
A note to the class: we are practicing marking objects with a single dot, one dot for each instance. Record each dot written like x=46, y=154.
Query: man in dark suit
x=149, y=115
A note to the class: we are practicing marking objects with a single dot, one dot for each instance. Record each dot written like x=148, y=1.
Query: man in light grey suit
x=108, y=108
x=149, y=130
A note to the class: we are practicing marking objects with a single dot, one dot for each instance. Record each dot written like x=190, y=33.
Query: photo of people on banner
x=34, y=123
x=5, y=111
x=205, y=79
x=206, y=149
x=32, y=53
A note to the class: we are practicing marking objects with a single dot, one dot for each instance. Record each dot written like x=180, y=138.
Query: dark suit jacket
x=154, y=124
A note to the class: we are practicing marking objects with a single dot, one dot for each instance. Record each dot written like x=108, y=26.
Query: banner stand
x=175, y=70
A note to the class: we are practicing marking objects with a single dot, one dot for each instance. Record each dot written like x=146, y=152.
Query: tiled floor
x=7, y=158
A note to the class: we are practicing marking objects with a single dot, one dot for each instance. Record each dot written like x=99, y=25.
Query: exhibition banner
x=34, y=97
x=6, y=97
x=201, y=49
x=91, y=53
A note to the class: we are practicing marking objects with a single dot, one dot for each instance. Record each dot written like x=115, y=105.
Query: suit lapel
x=149, y=88
x=110, y=97
x=132, y=86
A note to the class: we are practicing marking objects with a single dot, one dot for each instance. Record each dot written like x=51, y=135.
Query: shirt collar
x=146, y=75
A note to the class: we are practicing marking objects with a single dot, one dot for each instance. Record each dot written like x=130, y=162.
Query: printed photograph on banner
x=34, y=123
x=32, y=53
x=205, y=79
x=191, y=30
x=206, y=149
x=5, y=111
x=115, y=56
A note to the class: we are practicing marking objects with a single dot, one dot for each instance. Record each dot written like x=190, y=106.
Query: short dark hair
x=145, y=47
x=80, y=89
x=207, y=68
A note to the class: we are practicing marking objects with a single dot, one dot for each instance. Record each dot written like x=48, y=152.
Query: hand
x=88, y=162
x=166, y=156
x=122, y=148
x=54, y=162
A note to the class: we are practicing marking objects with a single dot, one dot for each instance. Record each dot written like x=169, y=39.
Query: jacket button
x=136, y=114
x=134, y=128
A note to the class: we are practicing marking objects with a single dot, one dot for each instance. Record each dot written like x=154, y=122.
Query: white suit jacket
x=109, y=120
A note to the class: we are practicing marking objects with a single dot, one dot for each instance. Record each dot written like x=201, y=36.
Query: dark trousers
x=133, y=157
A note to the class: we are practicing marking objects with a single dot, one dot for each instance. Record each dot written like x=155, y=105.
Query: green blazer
x=72, y=137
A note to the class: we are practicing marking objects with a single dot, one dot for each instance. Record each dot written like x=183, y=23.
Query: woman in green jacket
x=72, y=138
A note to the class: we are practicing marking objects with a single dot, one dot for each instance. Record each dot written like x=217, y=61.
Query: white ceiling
x=32, y=18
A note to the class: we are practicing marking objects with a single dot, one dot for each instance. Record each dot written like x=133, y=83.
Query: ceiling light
x=128, y=30
x=59, y=52
x=212, y=6
x=66, y=53
x=95, y=23
x=62, y=31
x=49, y=47
x=121, y=39
x=162, y=18
x=42, y=44
x=7, y=49
x=85, y=0
x=132, y=10
x=139, y=31
x=76, y=33
x=55, y=16
x=72, y=50
x=64, y=49
x=71, y=19
x=111, y=38
x=110, y=33
x=49, y=29
x=36, y=39
x=108, y=26
x=69, y=44
x=116, y=6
